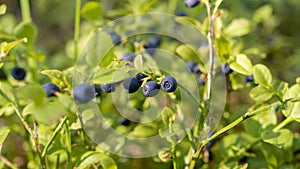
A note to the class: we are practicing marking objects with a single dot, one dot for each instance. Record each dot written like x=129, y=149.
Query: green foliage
x=254, y=37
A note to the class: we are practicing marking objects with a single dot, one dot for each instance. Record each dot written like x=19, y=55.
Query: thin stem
x=226, y=128
x=282, y=124
x=37, y=145
x=210, y=36
x=7, y=162
x=54, y=134
x=25, y=9
x=76, y=27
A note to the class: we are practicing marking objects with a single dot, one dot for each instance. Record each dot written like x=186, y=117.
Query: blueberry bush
x=82, y=87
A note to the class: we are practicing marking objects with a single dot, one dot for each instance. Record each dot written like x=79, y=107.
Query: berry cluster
x=193, y=67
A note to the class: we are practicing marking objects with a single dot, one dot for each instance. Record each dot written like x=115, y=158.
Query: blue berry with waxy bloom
x=150, y=89
x=108, y=87
x=193, y=67
x=226, y=69
x=18, y=73
x=191, y=3
x=153, y=42
x=83, y=93
x=140, y=77
x=116, y=39
x=50, y=89
x=123, y=121
x=249, y=78
x=128, y=57
x=131, y=85
x=168, y=84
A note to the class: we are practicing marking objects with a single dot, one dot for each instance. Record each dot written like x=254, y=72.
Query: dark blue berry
x=191, y=3
x=150, y=89
x=180, y=13
x=193, y=67
x=140, y=77
x=168, y=84
x=116, y=39
x=249, y=78
x=50, y=89
x=97, y=91
x=153, y=42
x=131, y=85
x=128, y=57
x=226, y=69
x=201, y=79
x=108, y=87
x=123, y=121
x=18, y=73
x=83, y=93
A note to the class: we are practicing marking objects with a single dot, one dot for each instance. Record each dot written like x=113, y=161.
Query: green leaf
x=47, y=112
x=54, y=74
x=261, y=93
x=262, y=75
x=292, y=107
x=138, y=62
x=92, y=10
x=92, y=157
x=3, y=134
x=29, y=31
x=238, y=27
x=242, y=65
x=167, y=116
x=3, y=8
x=280, y=139
x=223, y=48
x=145, y=130
x=34, y=93
x=111, y=75
x=187, y=52
x=263, y=13
x=188, y=21
x=6, y=47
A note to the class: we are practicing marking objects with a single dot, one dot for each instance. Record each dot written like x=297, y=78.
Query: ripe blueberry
x=108, y=87
x=150, y=89
x=124, y=121
x=140, y=77
x=191, y=3
x=226, y=69
x=115, y=38
x=128, y=57
x=50, y=89
x=83, y=93
x=131, y=85
x=168, y=84
x=152, y=43
x=18, y=73
x=193, y=67
x=249, y=78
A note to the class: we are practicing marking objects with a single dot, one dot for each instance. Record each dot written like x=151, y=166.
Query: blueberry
x=50, y=89
x=249, y=78
x=201, y=79
x=168, y=84
x=108, y=87
x=123, y=121
x=180, y=13
x=18, y=73
x=226, y=69
x=83, y=93
x=153, y=42
x=131, y=85
x=128, y=57
x=150, y=89
x=140, y=77
x=115, y=38
x=97, y=91
x=191, y=3
x=193, y=67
